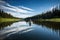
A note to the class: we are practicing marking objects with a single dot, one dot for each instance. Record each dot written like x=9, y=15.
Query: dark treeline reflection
x=4, y=24
x=53, y=25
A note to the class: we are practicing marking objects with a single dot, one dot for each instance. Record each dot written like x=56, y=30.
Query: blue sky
x=27, y=8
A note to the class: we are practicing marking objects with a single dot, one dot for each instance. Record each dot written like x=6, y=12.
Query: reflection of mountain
x=4, y=24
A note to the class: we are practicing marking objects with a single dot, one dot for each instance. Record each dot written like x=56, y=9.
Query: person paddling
x=30, y=22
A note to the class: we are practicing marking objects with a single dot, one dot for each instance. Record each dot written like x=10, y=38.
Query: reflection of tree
x=4, y=24
x=52, y=25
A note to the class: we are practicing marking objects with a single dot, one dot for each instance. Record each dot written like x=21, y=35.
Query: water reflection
x=54, y=26
x=28, y=31
x=17, y=27
x=30, y=22
x=24, y=32
x=4, y=24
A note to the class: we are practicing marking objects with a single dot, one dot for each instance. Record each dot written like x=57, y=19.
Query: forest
x=55, y=13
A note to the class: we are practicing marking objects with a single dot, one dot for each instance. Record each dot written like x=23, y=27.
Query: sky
x=27, y=8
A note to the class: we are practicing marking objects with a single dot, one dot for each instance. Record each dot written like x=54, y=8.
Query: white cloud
x=2, y=1
x=15, y=14
x=13, y=8
x=26, y=8
x=16, y=11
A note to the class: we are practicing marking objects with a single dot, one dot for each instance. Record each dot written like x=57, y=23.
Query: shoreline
x=8, y=19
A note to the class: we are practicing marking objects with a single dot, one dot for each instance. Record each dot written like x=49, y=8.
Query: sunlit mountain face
x=27, y=8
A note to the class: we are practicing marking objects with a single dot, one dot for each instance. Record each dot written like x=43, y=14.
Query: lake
x=29, y=31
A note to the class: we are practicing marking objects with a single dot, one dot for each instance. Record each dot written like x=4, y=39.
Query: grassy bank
x=8, y=19
x=52, y=20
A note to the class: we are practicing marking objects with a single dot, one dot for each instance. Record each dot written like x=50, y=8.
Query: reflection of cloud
x=13, y=9
x=27, y=30
x=16, y=28
x=20, y=31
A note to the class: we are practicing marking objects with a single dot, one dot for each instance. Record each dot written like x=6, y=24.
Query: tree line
x=55, y=13
x=5, y=15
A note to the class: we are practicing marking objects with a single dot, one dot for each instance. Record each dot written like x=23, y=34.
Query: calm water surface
x=23, y=31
